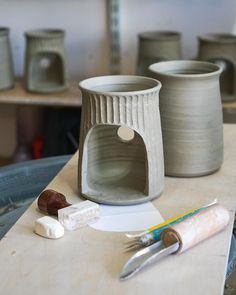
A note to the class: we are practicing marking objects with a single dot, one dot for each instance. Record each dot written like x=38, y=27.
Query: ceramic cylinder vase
x=45, y=68
x=157, y=46
x=191, y=117
x=121, y=151
x=221, y=49
x=6, y=64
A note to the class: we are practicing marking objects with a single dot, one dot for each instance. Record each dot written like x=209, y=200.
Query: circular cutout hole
x=44, y=63
x=125, y=134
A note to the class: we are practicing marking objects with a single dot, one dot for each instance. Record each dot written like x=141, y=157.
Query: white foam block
x=49, y=228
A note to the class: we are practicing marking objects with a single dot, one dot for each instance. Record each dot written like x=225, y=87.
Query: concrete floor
x=230, y=284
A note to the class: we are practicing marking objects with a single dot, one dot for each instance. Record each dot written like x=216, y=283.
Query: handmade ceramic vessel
x=6, y=65
x=121, y=152
x=45, y=69
x=221, y=49
x=191, y=117
x=157, y=46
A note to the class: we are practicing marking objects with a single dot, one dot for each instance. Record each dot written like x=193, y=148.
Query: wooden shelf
x=229, y=105
x=20, y=96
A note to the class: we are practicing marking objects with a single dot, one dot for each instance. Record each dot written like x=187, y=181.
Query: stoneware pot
x=191, y=117
x=221, y=49
x=6, y=65
x=157, y=46
x=121, y=151
x=45, y=69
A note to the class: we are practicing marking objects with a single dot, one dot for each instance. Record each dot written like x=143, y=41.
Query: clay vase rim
x=160, y=35
x=89, y=84
x=4, y=31
x=223, y=38
x=174, y=68
x=45, y=33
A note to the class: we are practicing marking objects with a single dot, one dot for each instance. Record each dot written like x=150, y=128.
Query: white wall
x=190, y=17
x=83, y=21
x=86, y=33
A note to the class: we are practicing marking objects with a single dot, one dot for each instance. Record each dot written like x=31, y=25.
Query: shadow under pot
x=156, y=46
x=191, y=117
x=45, y=68
x=6, y=64
x=121, y=152
x=221, y=50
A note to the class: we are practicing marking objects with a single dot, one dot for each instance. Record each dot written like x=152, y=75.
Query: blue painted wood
x=21, y=183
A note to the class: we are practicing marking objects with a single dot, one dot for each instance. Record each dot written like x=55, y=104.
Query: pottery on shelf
x=191, y=117
x=45, y=68
x=157, y=46
x=6, y=64
x=121, y=151
x=221, y=49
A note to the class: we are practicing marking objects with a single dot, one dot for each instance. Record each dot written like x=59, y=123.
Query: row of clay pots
x=218, y=48
x=123, y=170
x=45, y=69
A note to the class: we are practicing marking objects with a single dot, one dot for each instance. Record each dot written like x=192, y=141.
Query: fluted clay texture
x=113, y=170
x=6, y=65
x=157, y=46
x=221, y=49
x=191, y=117
x=45, y=68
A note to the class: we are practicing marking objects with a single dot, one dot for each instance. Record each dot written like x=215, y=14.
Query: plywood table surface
x=87, y=261
x=18, y=95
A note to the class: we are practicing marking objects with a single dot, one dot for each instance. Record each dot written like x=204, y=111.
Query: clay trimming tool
x=179, y=238
x=153, y=234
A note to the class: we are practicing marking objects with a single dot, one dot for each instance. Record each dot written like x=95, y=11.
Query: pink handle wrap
x=196, y=228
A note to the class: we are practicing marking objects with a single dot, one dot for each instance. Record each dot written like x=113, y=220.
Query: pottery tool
x=71, y=216
x=179, y=238
x=153, y=234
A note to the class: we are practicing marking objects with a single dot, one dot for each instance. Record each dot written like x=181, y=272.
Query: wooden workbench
x=18, y=95
x=87, y=261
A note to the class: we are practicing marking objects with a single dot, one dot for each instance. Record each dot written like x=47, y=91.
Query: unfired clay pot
x=191, y=117
x=157, y=46
x=6, y=65
x=45, y=68
x=121, y=152
x=221, y=49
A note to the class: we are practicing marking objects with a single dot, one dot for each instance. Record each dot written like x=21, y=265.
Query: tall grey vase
x=191, y=117
x=45, y=67
x=221, y=49
x=115, y=168
x=6, y=64
x=157, y=46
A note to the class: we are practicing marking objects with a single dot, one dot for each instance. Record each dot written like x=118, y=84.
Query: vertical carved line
x=111, y=110
x=96, y=109
x=135, y=112
x=142, y=111
x=118, y=109
x=91, y=109
x=122, y=113
x=101, y=109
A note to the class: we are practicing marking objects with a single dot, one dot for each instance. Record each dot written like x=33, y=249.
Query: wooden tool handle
x=196, y=228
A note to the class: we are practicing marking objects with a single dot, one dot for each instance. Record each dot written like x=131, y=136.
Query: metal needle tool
x=146, y=256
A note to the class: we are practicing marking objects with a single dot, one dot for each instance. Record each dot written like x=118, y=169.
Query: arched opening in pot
x=47, y=71
x=115, y=161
